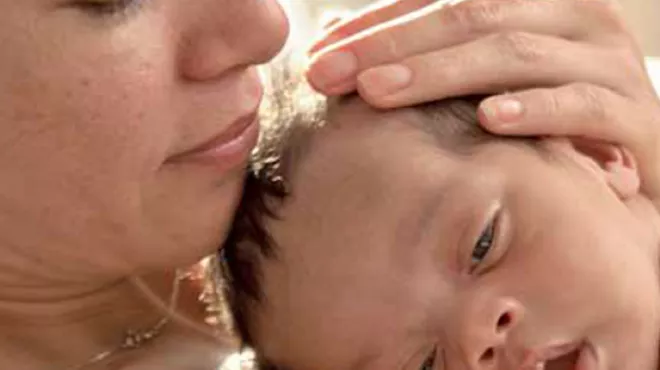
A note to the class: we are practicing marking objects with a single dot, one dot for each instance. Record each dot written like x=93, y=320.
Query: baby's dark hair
x=453, y=123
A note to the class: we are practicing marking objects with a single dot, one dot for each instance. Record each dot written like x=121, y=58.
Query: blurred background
x=643, y=18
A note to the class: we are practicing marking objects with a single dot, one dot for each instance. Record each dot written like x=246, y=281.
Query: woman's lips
x=228, y=149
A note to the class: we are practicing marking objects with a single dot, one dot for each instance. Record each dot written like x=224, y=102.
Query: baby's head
x=413, y=240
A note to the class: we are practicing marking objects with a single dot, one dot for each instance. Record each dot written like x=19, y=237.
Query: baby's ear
x=611, y=163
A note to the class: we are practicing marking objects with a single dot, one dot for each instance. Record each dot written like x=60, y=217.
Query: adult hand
x=573, y=64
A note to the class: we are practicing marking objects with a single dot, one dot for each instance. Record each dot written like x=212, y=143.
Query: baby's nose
x=484, y=331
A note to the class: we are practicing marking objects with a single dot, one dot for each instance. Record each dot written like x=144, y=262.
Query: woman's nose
x=226, y=34
x=484, y=332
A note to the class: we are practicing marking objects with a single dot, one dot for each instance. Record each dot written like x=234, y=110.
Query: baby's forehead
x=351, y=120
x=361, y=145
x=453, y=124
x=348, y=111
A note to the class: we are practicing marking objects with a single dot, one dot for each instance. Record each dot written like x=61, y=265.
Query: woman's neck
x=62, y=334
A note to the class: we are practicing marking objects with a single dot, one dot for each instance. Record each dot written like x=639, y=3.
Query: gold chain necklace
x=134, y=339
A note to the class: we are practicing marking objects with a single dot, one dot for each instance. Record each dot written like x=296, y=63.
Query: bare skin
x=97, y=102
x=93, y=107
x=490, y=46
x=378, y=266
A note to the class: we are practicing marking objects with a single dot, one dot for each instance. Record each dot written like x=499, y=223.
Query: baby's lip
x=540, y=358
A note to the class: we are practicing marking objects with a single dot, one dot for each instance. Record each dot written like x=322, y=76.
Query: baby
x=413, y=240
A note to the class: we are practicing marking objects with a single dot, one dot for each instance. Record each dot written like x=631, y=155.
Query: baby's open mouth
x=571, y=357
x=566, y=362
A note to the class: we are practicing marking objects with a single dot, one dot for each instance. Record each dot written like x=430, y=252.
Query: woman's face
x=101, y=102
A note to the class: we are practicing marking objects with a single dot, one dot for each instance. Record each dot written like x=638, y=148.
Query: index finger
x=370, y=17
x=433, y=28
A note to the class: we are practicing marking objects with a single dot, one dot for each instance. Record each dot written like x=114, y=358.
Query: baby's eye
x=483, y=246
x=429, y=362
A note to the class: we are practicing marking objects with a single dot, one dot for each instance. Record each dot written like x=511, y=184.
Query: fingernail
x=506, y=110
x=385, y=80
x=333, y=69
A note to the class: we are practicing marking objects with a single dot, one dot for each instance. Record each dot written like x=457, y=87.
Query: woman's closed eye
x=103, y=8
